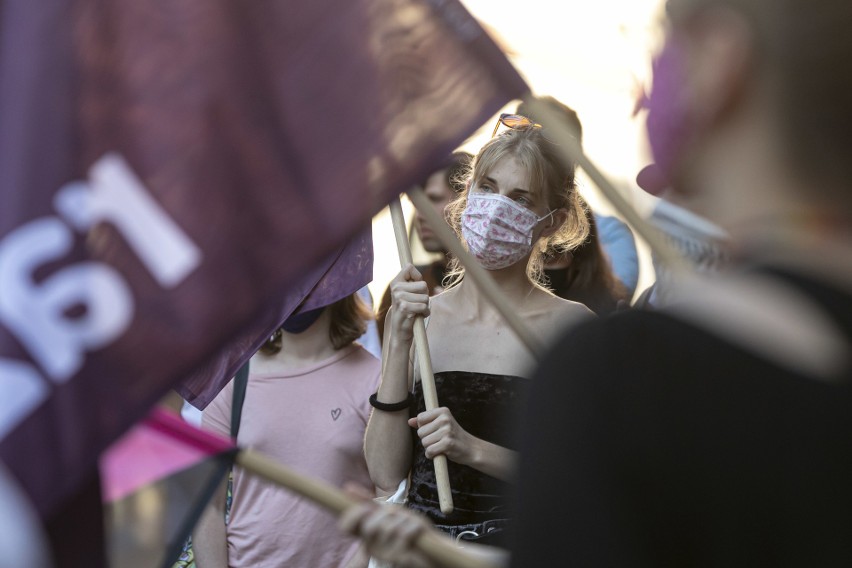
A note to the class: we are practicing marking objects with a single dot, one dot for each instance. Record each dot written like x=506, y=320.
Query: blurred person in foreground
x=441, y=187
x=720, y=434
x=704, y=245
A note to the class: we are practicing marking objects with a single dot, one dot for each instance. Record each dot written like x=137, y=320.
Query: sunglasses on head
x=515, y=122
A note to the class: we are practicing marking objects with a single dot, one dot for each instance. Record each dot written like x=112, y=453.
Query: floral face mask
x=498, y=231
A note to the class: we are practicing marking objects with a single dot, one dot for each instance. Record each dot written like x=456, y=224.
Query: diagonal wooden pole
x=438, y=549
x=559, y=131
x=473, y=270
x=421, y=346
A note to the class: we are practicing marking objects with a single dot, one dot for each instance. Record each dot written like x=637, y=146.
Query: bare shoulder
x=446, y=301
x=557, y=314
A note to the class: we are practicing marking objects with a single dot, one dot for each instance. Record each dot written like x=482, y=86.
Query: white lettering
x=85, y=306
x=116, y=195
x=36, y=313
x=21, y=390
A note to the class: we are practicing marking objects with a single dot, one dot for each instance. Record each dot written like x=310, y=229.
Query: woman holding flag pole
x=521, y=201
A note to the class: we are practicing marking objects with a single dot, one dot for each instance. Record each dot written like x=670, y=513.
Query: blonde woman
x=520, y=202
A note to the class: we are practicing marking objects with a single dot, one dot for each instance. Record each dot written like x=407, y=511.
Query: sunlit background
x=593, y=56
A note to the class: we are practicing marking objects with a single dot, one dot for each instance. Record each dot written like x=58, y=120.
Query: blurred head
x=773, y=74
x=549, y=187
x=346, y=320
x=441, y=188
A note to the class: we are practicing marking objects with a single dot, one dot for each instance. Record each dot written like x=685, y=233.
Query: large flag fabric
x=171, y=168
x=338, y=275
x=157, y=478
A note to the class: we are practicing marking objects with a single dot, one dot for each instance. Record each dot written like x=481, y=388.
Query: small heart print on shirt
x=335, y=414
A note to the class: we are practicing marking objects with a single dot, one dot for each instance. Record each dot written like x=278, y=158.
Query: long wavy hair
x=551, y=178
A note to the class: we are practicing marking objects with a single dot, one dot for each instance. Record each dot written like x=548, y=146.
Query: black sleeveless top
x=486, y=406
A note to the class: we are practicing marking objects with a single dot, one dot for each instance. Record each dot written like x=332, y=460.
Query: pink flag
x=157, y=447
x=157, y=479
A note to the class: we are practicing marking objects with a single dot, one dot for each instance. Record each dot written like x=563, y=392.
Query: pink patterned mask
x=497, y=230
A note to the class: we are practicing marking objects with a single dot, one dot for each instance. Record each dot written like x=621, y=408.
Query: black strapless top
x=486, y=406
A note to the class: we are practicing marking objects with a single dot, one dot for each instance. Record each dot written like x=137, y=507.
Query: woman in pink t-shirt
x=306, y=405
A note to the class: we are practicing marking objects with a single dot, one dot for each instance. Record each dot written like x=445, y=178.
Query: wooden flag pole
x=560, y=132
x=421, y=346
x=440, y=550
x=473, y=270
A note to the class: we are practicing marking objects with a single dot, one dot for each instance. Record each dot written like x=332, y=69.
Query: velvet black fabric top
x=486, y=406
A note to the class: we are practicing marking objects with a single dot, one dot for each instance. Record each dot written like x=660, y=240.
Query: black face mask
x=297, y=323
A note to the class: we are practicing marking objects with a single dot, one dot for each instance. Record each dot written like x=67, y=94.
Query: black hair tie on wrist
x=391, y=407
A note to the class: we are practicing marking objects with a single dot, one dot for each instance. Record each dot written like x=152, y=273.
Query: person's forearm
x=387, y=448
x=210, y=539
x=387, y=441
x=493, y=460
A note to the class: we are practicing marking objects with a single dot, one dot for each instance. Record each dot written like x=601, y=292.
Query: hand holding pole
x=421, y=346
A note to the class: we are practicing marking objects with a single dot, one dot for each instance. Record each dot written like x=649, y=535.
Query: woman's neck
x=299, y=350
x=512, y=281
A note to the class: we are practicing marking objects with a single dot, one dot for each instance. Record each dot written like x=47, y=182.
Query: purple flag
x=173, y=171
x=334, y=277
